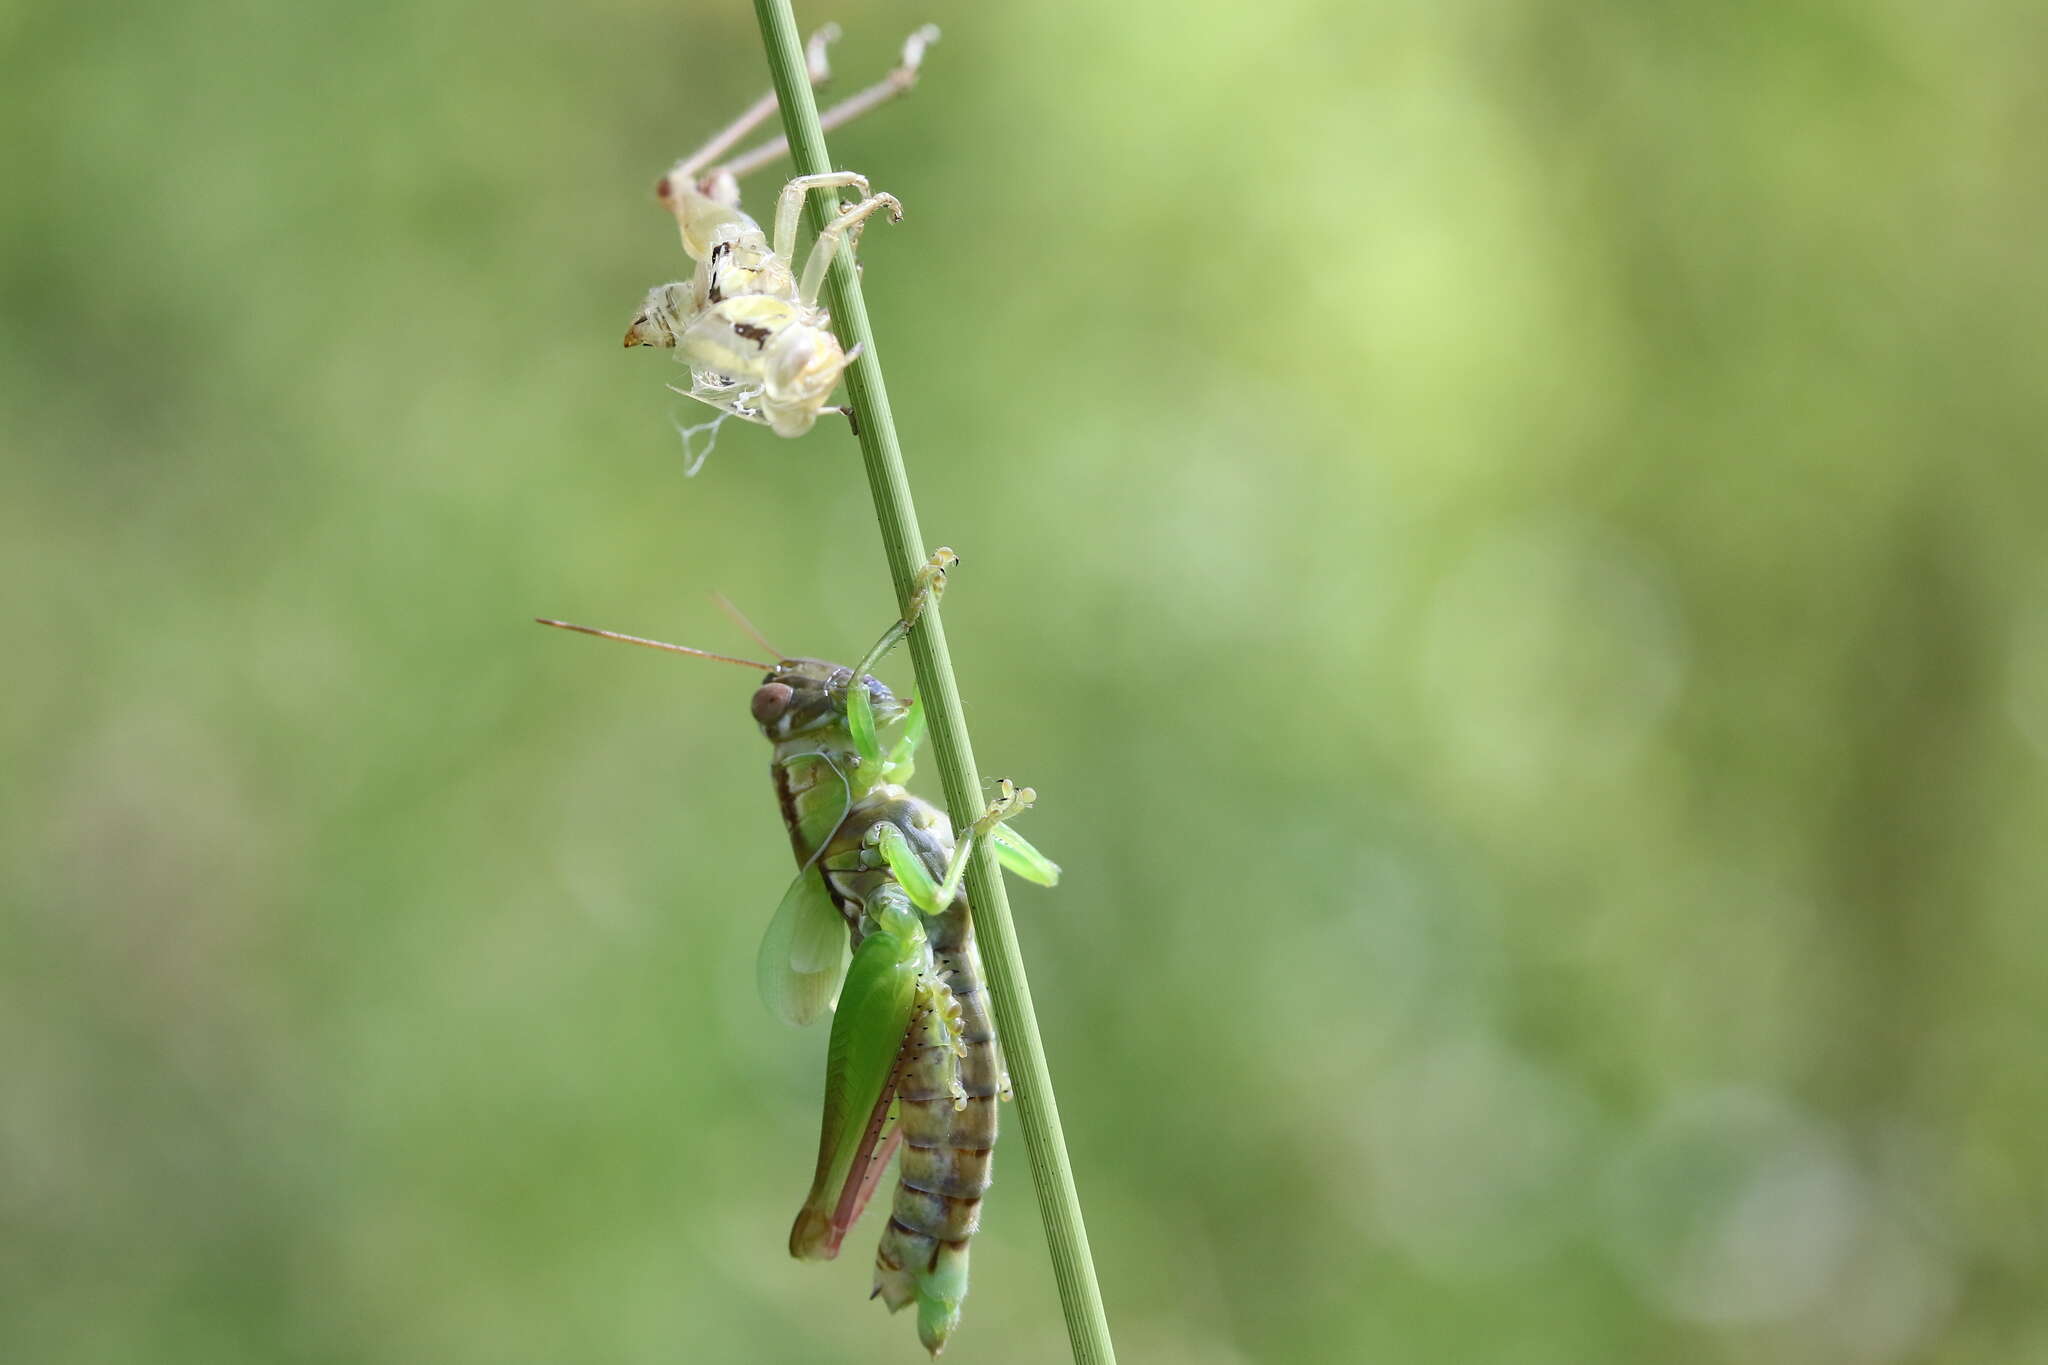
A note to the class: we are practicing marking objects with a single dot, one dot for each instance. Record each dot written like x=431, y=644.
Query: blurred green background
x=1508, y=537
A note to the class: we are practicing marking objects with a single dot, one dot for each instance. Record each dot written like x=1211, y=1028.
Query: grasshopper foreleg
x=900, y=762
x=927, y=586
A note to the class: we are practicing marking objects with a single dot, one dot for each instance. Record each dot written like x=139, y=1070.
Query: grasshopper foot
x=927, y=584
x=930, y=582
x=1011, y=800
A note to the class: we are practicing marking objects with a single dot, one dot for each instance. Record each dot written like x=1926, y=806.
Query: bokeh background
x=1508, y=536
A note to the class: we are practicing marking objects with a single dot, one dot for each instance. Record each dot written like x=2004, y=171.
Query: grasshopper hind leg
x=897, y=82
x=818, y=67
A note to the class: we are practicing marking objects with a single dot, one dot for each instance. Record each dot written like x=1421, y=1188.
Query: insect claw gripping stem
x=860, y=715
x=1011, y=800
x=886, y=845
x=928, y=587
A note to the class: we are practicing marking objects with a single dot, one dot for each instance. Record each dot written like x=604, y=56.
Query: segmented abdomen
x=946, y=1109
x=945, y=1099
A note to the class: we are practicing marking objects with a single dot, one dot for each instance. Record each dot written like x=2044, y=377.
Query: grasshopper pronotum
x=912, y=1061
x=758, y=345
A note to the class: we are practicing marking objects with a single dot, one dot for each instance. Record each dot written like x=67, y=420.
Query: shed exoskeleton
x=749, y=327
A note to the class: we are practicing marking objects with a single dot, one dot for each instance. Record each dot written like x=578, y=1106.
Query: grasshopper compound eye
x=771, y=700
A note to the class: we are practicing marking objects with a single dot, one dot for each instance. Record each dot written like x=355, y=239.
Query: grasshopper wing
x=804, y=951
x=803, y=954
x=860, y=1082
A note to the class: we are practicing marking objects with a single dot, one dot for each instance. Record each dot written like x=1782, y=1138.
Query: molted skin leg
x=817, y=66
x=828, y=242
x=852, y=107
x=791, y=201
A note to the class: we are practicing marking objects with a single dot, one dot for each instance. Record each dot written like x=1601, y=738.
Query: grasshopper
x=749, y=327
x=912, y=1061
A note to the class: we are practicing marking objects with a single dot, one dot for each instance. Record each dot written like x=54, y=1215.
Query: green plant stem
x=904, y=546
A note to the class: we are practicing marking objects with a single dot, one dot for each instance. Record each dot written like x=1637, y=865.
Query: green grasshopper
x=912, y=1061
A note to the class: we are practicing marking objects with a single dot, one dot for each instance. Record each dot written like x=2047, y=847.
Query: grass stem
x=904, y=547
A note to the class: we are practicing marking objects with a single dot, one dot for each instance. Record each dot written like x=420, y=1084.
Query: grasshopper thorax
x=800, y=696
x=705, y=209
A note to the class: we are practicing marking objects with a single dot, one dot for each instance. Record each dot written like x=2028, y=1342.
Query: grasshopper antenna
x=655, y=644
x=739, y=618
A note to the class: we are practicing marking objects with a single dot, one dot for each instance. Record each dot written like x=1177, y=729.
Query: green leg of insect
x=928, y=586
x=933, y=897
x=899, y=764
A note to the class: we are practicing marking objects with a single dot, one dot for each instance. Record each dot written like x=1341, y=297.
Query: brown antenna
x=656, y=644
x=739, y=619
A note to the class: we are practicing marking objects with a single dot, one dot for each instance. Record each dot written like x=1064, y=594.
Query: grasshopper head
x=803, y=695
x=661, y=316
